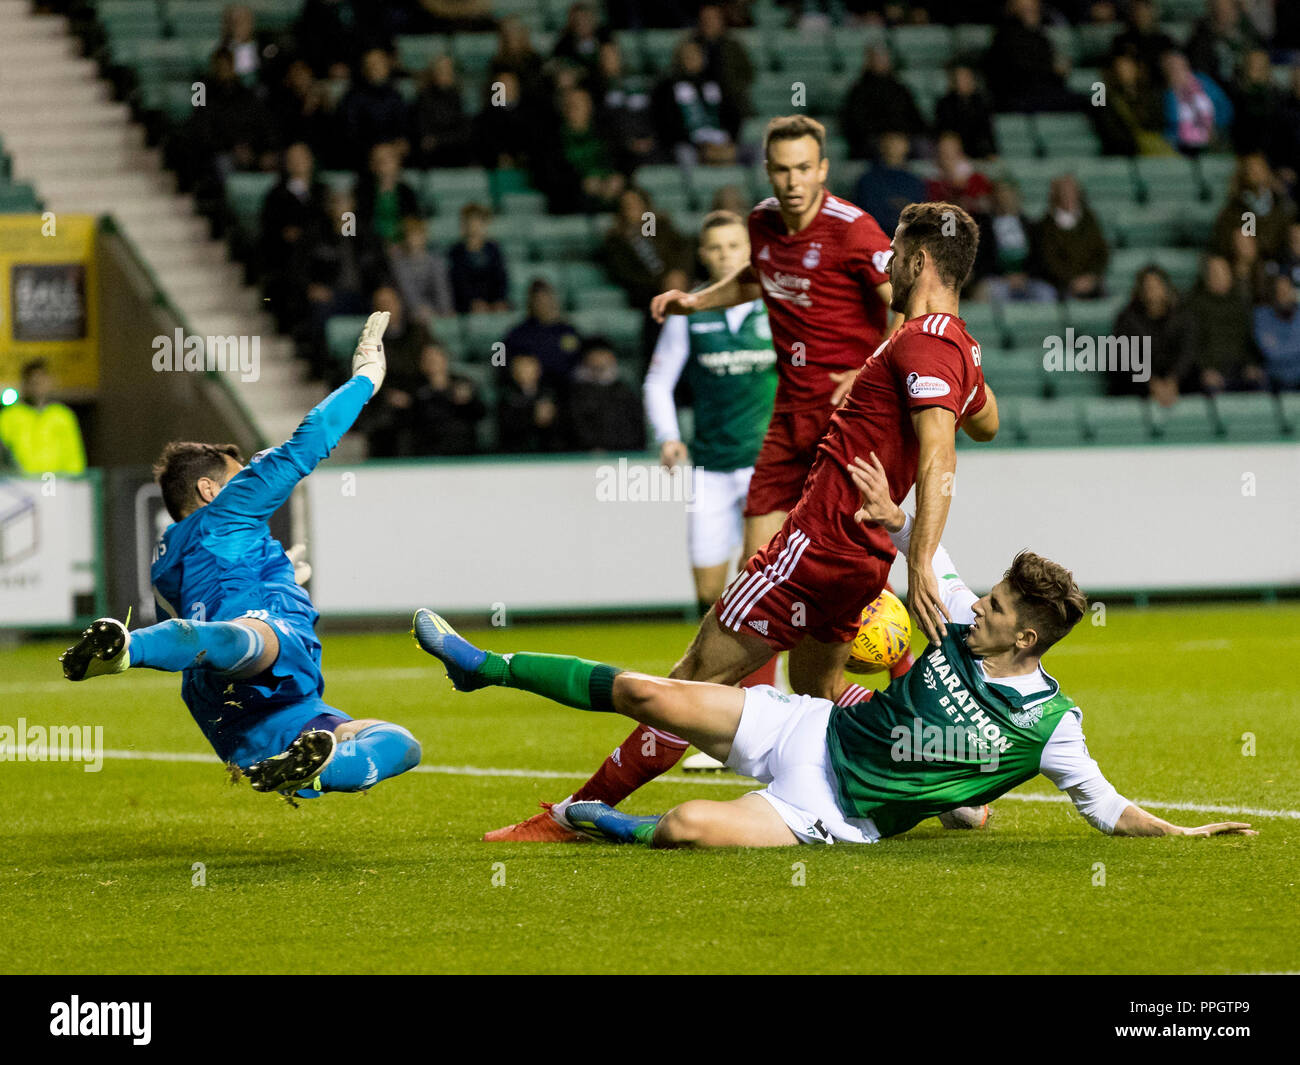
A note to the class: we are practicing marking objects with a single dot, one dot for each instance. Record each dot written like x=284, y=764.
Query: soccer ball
x=884, y=635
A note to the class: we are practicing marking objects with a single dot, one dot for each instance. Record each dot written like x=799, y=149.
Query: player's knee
x=637, y=693
x=683, y=825
x=402, y=750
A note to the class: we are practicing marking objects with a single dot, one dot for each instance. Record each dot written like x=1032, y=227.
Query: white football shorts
x=715, y=520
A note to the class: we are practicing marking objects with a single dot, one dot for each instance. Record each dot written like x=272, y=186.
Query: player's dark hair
x=791, y=128
x=947, y=233
x=180, y=466
x=1047, y=598
x=714, y=219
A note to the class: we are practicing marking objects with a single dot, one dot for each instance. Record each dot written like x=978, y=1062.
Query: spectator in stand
x=693, y=116
x=1071, y=250
x=515, y=53
x=578, y=175
x=457, y=16
x=478, y=269
x=887, y=186
x=528, y=412
x=605, y=412
x=372, y=111
x=1257, y=106
x=581, y=40
x=295, y=216
x=545, y=335
x=234, y=129
x=1143, y=41
x=1220, y=41
x=1010, y=252
x=967, y=110
x=1153, y=312
x=41, y=435
x=445, y=410
x=1257, y=203
x=301, y=109
x=1224, y=357
x=1277, y=335
x=404, y=340
x=506, y=129
x=1198, y=113
x=1288, y=262
x=1024, y=70
x=958, y=181
x=1132, y=120
x=877, y=102
x=625, y=111
x=333, y=35
x=384, y=199
x=444, y=134
x=420, y=275
x=240, y=38
x=1248, y=269
x=1286, y=143
x=725, y=59
x=643, y=252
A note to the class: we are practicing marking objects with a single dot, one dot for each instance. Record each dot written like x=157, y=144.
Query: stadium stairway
x=66, y=136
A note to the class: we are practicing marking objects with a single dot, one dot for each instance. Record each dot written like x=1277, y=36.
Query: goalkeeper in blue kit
x=250, y=661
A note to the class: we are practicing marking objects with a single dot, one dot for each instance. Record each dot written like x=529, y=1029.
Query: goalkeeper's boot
x=104, y=648
x=965, y=817
x=298, y=766
x=540, y=828
x=602, y=821
x=449, y=647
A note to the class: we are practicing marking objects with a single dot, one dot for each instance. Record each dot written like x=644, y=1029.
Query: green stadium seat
x=849, y=45
x=1107, y=182
x=554, y=237
x=158, y=60
x=416, y=51
x=922, y=46
x=1062, y=36
x=707, y=181
x=657, y=48
x=1290, y=403
x=19, y=198
x=1167, y=179
x=1182, y=265
x=244, y=196
x=275, y=16
x=522, y=275
x=1015, y=136
x=622, y=327
x=1116, y=421
x=1093, y=41
x=756, y=45
x=1188, y=421
x=1094, y=317
x=927, y=85
x=482, y=331
x=982, y=323
x=474, y=51
x=484, y=377
x=127, y=19
x=972, y=40
x=338, y=179
x=1045, y=422
x=449, y=189
x=1216, y=173
x=579, y=277
x=1067, y=136
x=195, y=18
x=802, y=53
x=450, y=333
x=1083, y=80
x=600, y=297
x=1026, y=324
x=523, y=203
x=1016, y=373
x=1196, y=223
x=772, y=93
x=1249, y=415
x=1155, y=223
x=341, y=334
x=1077, y=384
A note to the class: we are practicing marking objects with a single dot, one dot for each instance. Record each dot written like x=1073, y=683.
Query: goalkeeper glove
x=368, y=359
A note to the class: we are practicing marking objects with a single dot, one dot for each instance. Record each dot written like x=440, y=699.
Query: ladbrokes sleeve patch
x=926, y=387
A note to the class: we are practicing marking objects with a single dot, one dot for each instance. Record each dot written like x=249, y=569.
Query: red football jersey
x=820, y=289
x=931, y=361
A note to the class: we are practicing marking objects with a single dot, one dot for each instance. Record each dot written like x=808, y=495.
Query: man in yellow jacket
x=41, y=436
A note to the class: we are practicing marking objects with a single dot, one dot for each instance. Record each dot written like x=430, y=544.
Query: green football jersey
x=732, y=376
x=939, y=737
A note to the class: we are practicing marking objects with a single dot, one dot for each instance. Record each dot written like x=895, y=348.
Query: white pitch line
x=724, y=780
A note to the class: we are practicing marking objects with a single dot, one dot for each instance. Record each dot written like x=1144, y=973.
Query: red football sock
x=902, y=665
x=764, y=674
x=640, y=758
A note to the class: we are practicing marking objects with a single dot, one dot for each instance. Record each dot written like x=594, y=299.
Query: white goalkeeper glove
x=368, y=360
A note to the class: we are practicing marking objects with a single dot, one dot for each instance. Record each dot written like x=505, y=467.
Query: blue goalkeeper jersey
x=220, y=562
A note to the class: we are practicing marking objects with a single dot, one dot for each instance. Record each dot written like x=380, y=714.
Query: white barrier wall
x=47, y=548
x=591, y=534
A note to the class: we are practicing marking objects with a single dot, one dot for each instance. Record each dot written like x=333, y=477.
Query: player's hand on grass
x=674, y=301
x=924, y=602
x=877, y=504
x=672, y=453
x=1223, y=828
x=843, y=385
x=368, y=359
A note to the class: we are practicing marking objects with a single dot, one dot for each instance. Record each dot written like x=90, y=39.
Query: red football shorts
x=790, y=589
x=784, y=460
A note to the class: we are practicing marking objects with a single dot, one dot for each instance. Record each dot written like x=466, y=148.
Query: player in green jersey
x=976, y=716
x=728, y=361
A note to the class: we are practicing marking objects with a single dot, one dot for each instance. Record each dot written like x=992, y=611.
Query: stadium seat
x=850, y=43
x=126, y=19
x=473, y=52
x=1290, y=403
x=448, y=189
x=622, y=327
x=922, y=46
x=1182, y=265
x=483, y=331
x=927, y=85
x=1109, y=181
x=1094, y=317
x=1249, y=415
x=801, y=53
x=1083, y=80
x=1093, y=41
x=522, y=274
x=523, y=203
x=195, y=18
x=158, y=60
x=1064, y=136
x=1016, y=373
x=972, y=40
x=1079, y=384
x=657, y=48
x=1215, y=172
x=1133, y=226
x=1167, y=179
x=1188, y=421
x=244, y=196
x=18, y=198
x=982, y=323
x=416, y=52
x=1045, y=422
x=1015, y=137
x=707, y=181
x=557, y=236
x=1119, y=420
x=450, y=333
x=341, y=334
x=1026, y=324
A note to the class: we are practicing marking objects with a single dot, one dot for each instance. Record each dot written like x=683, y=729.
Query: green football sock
x=572, y=681
x=646, y=833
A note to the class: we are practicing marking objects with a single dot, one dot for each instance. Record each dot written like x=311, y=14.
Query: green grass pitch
x=97, y=870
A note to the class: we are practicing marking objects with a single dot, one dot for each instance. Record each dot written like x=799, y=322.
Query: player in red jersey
x=805, y=590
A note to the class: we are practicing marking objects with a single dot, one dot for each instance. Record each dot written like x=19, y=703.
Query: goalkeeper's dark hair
x=180, y=467
x=1047, y=598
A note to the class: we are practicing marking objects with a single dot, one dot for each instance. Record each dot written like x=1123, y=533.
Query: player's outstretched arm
x=740, y=287
x=1135, y=821
x=936, y=467
x=261, y=487
x=983, y=424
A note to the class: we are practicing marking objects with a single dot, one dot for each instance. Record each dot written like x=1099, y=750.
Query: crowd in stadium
x=331, y=94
